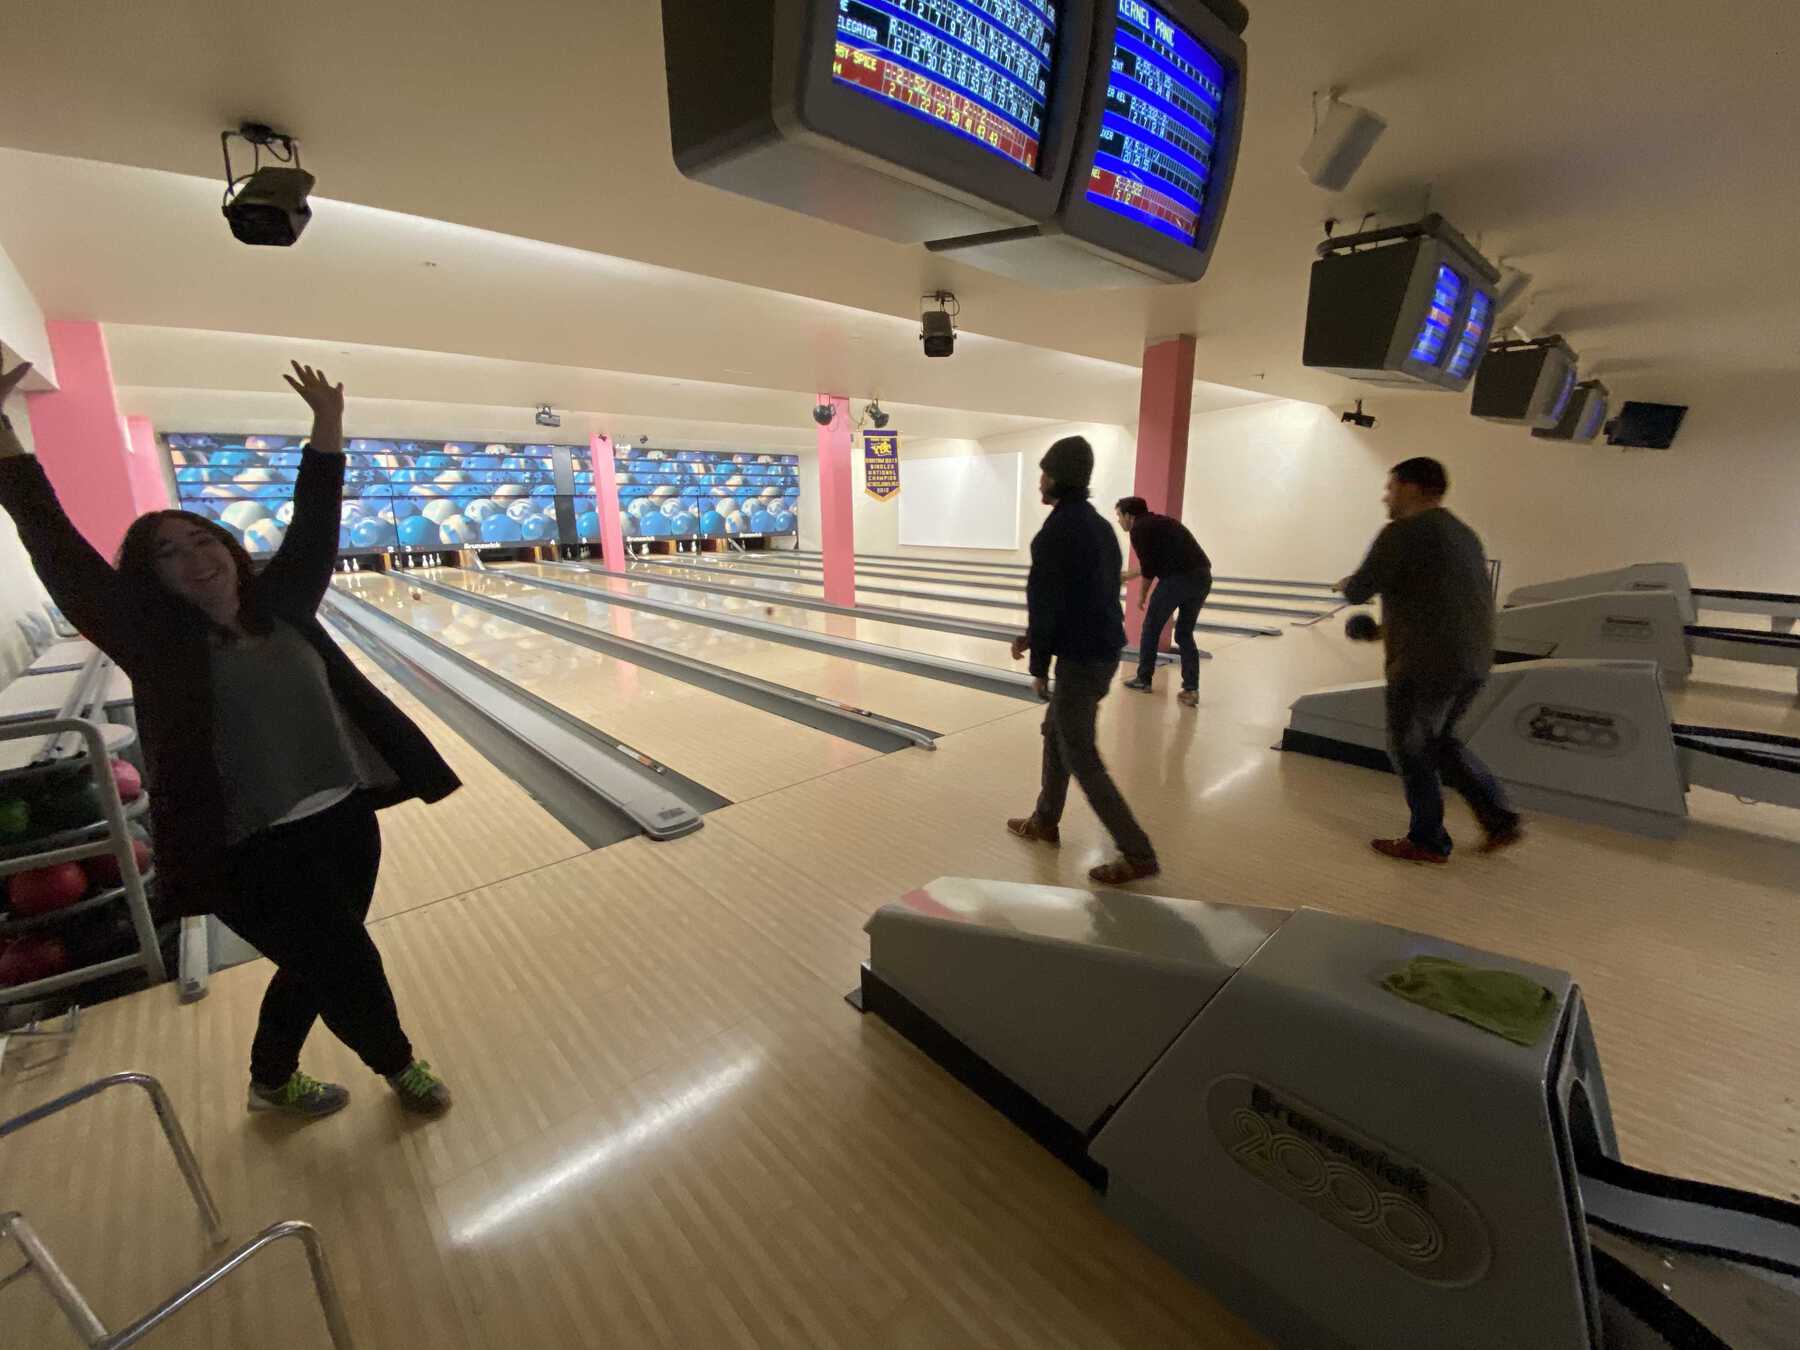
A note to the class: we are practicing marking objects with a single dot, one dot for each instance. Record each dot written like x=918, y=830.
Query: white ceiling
x=1634, y=155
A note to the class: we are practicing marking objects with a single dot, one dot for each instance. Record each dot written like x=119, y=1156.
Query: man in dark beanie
x=1073, y=598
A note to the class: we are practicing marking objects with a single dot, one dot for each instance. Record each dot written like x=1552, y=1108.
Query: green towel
x=1499, y=1001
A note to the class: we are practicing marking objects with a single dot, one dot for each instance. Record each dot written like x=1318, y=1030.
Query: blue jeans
x=1182, y=597
x=1421, y=719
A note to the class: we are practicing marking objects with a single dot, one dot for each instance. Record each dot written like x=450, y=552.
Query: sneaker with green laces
x=302, y=1095
x=420, y=1089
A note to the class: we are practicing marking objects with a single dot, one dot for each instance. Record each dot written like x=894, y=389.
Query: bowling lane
x=983, y=651
x=924, y=702
x=488, y=831
x=1290, y=606
x=737, y=751
x=753, y=574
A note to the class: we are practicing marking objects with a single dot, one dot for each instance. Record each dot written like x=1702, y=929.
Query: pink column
x=837, y=530
x=1165, y=403
x=80, y=437
x=606, y=499
x=149, y=489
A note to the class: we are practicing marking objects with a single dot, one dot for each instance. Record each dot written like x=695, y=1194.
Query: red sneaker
x=1028, y=827
x=1407, y=851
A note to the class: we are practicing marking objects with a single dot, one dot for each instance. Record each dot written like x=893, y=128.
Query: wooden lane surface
x=489, y=830
x=735, y=750
x=768, y=606
x=936, y=704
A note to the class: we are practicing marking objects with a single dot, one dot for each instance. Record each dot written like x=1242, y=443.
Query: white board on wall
x=961, y=501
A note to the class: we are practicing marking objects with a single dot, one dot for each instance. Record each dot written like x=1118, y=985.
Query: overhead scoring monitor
x=1154, y=158
x=1165, y=99
x=910, y=119
x=1584, y=413
x=1409, y=304
x=1526, y=382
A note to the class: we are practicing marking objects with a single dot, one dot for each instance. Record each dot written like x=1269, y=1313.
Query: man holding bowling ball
x=268, y=752
x=1437, y=604
x=1072, y=596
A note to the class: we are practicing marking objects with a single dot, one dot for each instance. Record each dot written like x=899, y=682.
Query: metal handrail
x=171, y=1128
x=93, y=1331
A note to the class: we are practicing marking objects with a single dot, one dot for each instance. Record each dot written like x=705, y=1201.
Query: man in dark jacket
x=1073, y=599
x=1437, y=607
x=1170, y=556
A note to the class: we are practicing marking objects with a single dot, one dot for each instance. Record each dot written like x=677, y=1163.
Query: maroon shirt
x=163, y=646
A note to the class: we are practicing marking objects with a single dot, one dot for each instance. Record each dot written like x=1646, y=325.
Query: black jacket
x=1073, y=590
x=1437, y=600
x=169, y=658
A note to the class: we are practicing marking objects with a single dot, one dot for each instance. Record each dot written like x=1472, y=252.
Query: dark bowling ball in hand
x=1362, y=628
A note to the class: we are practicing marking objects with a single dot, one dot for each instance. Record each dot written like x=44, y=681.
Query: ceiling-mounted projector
x=266, y=206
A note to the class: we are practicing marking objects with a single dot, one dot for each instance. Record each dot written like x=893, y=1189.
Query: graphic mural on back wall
x=460, y=494
x=686, y=494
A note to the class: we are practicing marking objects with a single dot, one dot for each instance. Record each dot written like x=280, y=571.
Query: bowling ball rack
x=74, y=748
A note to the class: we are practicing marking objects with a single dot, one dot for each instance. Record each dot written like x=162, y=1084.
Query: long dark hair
x=136, y=564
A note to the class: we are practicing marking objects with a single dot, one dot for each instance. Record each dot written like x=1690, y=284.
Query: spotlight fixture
x=875, y=415
x=1358, y=418
x=823, y=414
x=266, y=206
x=938, y=326
x=643, y=440
x=547, y=416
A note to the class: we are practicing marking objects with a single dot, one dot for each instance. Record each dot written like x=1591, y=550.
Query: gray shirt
x=1437, y=604
x=284, y=746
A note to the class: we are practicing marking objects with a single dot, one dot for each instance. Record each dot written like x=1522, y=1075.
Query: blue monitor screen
x=1164, y=100
x=979, y=68
x=1561, y=405
x=1592, y=417
x=1474, y=333
x=1435, y=331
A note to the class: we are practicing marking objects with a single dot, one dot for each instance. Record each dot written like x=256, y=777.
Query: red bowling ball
x=45, y=889
x=35, y=956
x=127, y=779
x=104, y=870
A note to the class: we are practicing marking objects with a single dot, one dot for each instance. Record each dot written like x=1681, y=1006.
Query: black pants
x=1182, y=597
x=1428, y=754
x=1069, y=748
x=300, y=894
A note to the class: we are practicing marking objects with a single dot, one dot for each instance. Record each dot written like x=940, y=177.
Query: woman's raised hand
x=322, y=396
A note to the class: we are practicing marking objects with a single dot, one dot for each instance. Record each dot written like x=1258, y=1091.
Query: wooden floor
x=670, y=1130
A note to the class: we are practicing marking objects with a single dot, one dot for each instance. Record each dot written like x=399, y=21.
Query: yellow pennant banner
x=881, y=464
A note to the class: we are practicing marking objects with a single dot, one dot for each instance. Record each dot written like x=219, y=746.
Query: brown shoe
x=1122, y=870
x=1188, y=698
x=1499, y=839
x=1028, y=827
x=1407, y=851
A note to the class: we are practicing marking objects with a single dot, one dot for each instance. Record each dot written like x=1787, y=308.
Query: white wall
x=878, y=523
x=1285, y=490
x=19, y=587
